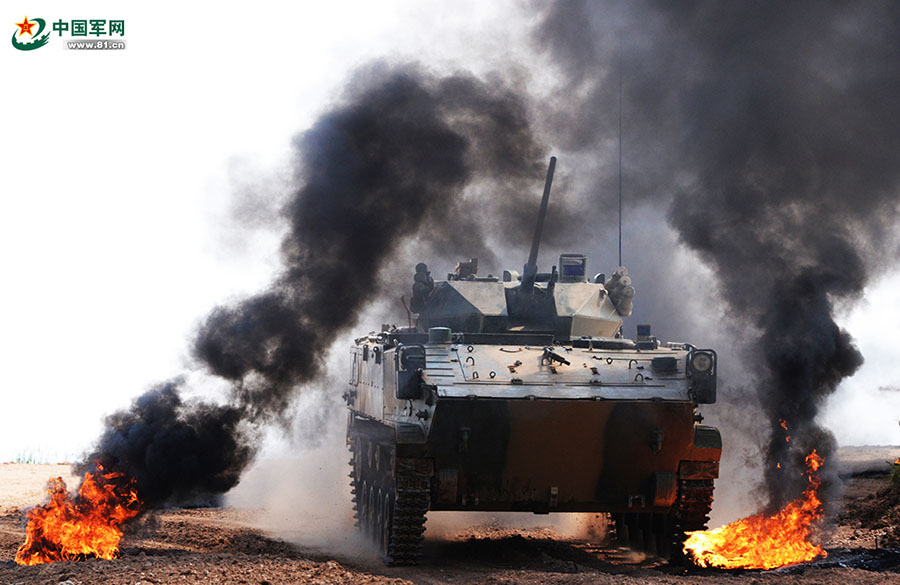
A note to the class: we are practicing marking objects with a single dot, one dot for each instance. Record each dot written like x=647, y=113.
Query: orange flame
x=897, y=462
x=69, y=529
x=783, y=423
x=764, y=542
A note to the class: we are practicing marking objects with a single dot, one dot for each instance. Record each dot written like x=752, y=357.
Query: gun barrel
x=531, y=266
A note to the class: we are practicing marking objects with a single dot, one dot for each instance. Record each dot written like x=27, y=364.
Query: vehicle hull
x=559, y=455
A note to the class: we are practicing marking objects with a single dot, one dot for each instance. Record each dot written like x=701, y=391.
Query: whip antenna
x=620, y=149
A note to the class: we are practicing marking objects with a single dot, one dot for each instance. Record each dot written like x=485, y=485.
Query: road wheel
x=387, y=525
x=372, y=525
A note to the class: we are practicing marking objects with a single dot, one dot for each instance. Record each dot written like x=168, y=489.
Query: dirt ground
x=222, y=546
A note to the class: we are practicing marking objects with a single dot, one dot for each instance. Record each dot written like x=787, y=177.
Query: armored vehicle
x=519, y=393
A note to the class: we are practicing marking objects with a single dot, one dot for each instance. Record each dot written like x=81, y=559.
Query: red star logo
x=25, y=27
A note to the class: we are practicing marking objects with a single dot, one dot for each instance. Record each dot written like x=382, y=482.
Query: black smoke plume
x=771, y=130
x=176, y=451
x=390, y=164
x=392, y=160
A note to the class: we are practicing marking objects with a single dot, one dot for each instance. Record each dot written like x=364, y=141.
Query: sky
x=122, y=171
x=132, y=178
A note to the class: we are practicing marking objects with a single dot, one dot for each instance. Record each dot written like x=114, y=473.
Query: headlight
x=701, y=373
x=701, y=362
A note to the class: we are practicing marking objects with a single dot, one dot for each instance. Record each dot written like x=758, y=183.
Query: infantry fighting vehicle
x=521, y=394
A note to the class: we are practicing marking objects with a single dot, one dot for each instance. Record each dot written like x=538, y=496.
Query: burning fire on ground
x=761, y=541
x=84, y=526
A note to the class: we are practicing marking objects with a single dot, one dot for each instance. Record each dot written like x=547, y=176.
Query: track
x=663, y=534
x=389, y=501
